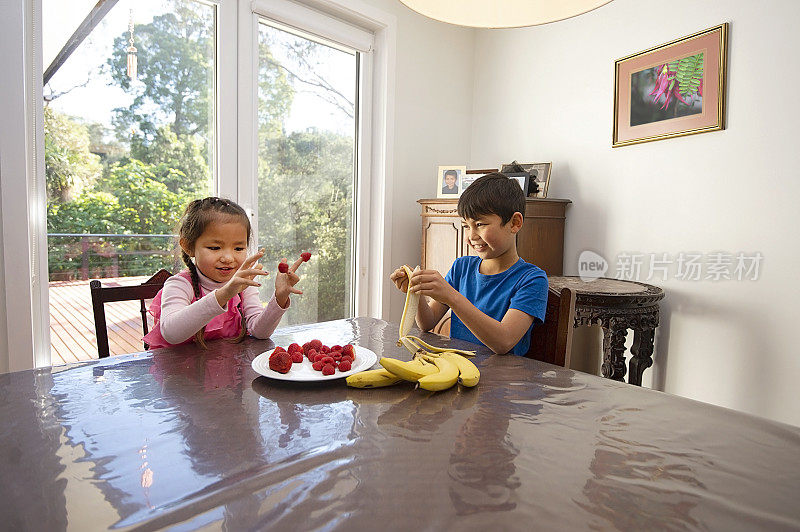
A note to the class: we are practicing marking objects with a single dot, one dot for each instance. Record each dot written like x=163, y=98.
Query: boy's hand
x=244, y=277
x=284, y=283
x=431, y=283
x=400, y=279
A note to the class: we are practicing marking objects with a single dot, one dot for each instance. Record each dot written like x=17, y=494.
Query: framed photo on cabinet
x=472, y=175
x=449, y=181
x=540, y=174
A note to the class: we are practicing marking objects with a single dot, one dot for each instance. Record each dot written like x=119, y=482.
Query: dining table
x=186, y=438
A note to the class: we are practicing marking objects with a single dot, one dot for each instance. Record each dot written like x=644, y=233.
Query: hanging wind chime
x=131, y=50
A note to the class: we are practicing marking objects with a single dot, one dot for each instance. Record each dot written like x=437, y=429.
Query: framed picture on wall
x=671, y=90
x=471, y=175
x=449, y=181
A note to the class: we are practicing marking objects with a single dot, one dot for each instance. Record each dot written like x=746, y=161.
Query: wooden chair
x=551, y=341
x=108, y=294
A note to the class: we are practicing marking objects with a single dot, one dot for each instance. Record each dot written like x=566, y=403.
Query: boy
x=495, y=297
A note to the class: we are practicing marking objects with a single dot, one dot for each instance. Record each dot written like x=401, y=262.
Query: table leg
x=642, y=354
x=614, y=333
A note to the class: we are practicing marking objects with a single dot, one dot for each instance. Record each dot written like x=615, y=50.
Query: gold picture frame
x=671, y=90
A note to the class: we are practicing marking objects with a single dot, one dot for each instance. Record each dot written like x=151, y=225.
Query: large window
x=307, y=96
x=129, y=140
x=283, y=108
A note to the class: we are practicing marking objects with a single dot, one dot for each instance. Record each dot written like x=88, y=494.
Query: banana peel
x=434, y=349
x=411, y=305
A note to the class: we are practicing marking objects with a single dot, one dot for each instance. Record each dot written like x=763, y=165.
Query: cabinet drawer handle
x=440, y=211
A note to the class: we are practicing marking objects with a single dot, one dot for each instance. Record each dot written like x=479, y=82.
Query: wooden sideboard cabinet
x=541, y=240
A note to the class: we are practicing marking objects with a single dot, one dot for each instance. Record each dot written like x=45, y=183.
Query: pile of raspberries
x=323, y=358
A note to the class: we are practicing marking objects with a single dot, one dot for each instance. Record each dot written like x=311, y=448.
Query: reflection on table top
x=185, y=436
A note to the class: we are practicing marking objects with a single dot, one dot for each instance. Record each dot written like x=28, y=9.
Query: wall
x=546, y=94
x=432, y=117
x=4, y=362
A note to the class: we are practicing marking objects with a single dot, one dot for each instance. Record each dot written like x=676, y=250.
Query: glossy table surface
x=190, y=439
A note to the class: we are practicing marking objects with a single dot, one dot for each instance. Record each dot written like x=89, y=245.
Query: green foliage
x=134, y=202
x=689, y=73
x=275, y=95
x=145, y=203
x=305, y=199
x=175, y=67
x=70, y=167
x=180, y=161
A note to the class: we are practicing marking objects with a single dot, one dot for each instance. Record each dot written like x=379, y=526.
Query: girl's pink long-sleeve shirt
x=181, y=319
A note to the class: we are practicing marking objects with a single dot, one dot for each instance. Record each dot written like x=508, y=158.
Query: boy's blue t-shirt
x=523, y=287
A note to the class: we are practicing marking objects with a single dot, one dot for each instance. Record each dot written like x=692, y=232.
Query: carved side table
x=617, y=306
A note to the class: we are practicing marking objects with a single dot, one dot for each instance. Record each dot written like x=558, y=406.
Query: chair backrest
x=108, y=294
x=551, y=341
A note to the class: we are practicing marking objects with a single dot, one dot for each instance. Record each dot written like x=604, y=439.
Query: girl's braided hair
x=196, y=218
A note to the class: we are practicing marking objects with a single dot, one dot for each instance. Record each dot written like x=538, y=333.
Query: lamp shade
x=501, y=13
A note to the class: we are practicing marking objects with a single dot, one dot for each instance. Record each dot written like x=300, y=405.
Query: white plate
x=303, y=371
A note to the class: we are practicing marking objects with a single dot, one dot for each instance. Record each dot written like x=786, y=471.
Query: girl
x=216, y=297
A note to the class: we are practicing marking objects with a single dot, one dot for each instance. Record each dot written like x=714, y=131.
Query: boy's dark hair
x=492, y=194
x=451, y=172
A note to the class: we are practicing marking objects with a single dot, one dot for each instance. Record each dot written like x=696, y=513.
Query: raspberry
x=297, y=356
x=283, y=267
x=317, y=365
x=336, y=348
x=325, y=349
x=328, y=360
x=316, y=344
x=306, y=347
x=349, y=350
x=280, y=362
x=345, y=365
x=312, y=354
x=295, y=347
x=305, y=256
x=336, y=355
x=328, y=369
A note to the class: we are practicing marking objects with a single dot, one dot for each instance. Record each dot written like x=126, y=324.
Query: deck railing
x=97, y=255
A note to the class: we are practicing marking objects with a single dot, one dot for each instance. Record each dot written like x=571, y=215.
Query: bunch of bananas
x=432, y=368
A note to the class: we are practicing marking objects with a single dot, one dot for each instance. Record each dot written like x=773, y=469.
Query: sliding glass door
x=307, y=102
x=129, y=120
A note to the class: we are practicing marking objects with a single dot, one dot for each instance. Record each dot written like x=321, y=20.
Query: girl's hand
x=284, y=283
x=244, y=277
x=400, y=279
x=431, y=283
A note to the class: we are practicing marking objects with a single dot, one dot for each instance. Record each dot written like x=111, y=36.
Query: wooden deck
x=72, y=334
